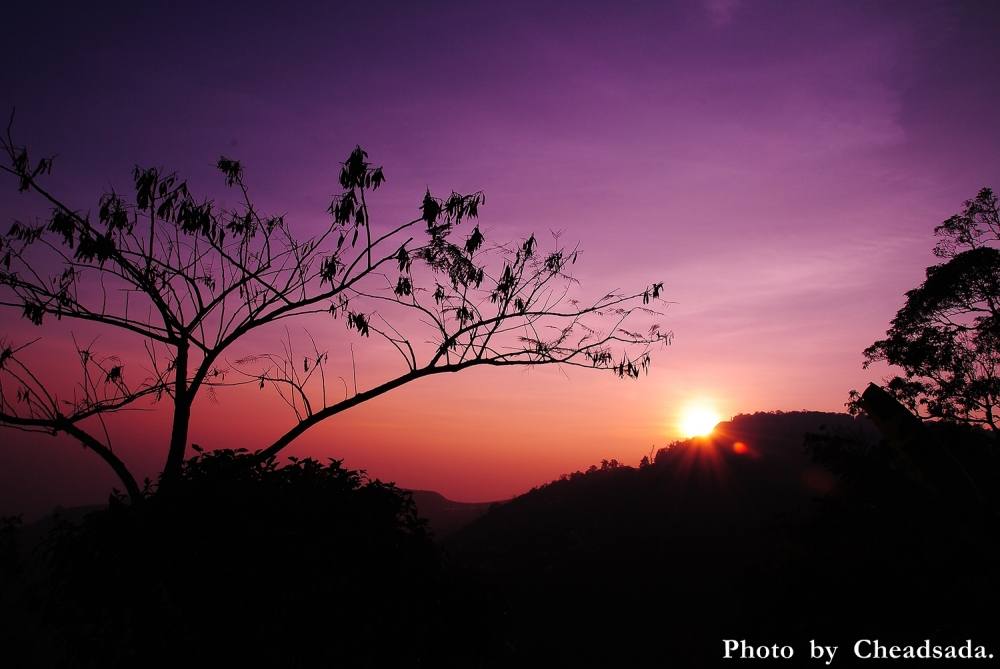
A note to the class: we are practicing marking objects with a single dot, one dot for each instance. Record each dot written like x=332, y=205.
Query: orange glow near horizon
x=698, y=420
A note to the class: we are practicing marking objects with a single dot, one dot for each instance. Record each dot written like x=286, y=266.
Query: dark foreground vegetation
x=242, y=561
x=760, y=533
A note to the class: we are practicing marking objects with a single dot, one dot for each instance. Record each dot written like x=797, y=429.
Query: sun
x=698, y=420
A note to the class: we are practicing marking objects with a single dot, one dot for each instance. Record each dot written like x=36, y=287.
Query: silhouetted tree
x=189, y=279
x=946, y=337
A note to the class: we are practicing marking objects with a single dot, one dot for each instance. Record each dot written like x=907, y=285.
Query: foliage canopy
x=946, y=337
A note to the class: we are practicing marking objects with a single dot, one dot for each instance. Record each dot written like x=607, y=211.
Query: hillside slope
x=743, y=535
x=445, y=516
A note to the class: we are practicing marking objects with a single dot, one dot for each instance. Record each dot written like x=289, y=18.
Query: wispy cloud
x=721, y=11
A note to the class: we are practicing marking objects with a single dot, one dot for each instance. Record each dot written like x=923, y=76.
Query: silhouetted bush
x=242, y=561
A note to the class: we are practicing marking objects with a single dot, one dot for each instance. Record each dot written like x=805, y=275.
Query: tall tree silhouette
x=946, y=337
x=189, y=279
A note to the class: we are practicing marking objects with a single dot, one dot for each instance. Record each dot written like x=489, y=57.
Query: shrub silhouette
x=243, y=560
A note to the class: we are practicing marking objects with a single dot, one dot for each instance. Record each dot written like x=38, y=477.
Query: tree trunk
x=182, y=419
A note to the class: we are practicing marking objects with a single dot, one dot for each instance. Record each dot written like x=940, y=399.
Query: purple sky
x=780, y=165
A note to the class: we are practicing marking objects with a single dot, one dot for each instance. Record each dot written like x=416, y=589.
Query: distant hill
x=750, y=468
x=445, y=516
x=741, y=535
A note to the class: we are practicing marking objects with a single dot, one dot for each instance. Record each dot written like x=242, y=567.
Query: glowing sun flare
x=698, y=421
